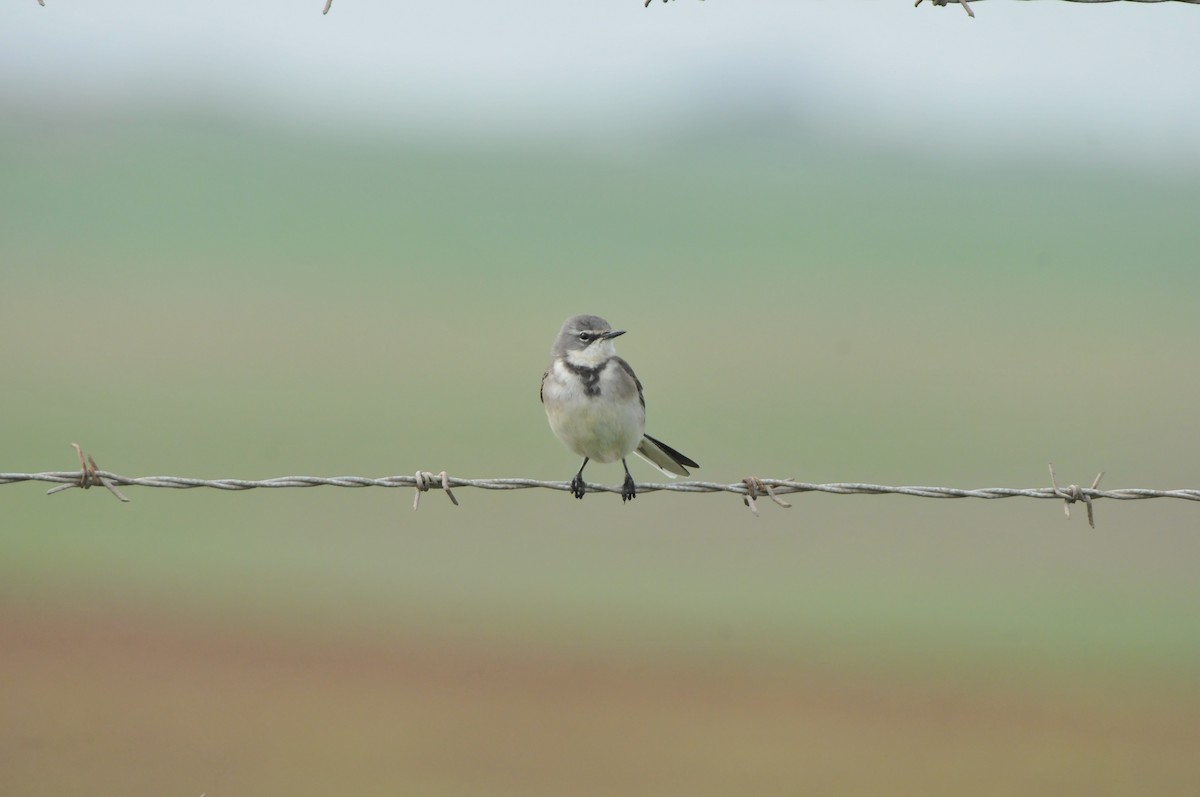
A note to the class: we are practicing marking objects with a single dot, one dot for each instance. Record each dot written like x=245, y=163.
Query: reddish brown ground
x=104, y=704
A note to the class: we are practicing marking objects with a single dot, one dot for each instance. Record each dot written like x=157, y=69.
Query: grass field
x=189, y=298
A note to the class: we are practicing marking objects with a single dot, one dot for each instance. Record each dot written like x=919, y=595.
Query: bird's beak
x=612, y=333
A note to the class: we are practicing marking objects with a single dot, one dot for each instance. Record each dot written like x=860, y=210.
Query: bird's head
x=585, y=340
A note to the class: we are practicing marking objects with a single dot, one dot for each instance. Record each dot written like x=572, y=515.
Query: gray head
x=588, y=335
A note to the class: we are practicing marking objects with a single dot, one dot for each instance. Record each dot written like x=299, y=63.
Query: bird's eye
x=585, y=336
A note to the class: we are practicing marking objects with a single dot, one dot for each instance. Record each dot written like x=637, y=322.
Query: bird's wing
x=629, y=370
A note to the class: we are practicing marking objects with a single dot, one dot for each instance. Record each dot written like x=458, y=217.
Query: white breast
x=597, y=427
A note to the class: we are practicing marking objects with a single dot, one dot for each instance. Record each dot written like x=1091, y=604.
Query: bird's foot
x=628, y=489
x=578, y=488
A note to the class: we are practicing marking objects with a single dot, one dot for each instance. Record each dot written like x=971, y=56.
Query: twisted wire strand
x=329, y=3
x=952, y=2
x=967, y=6
x=428, y=481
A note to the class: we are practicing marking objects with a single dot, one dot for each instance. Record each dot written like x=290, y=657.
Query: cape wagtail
x=595, y=406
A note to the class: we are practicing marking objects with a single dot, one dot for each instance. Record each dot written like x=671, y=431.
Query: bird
x=595, y=404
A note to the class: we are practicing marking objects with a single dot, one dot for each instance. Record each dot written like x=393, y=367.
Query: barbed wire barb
x=1075, y=493
x=425, y=478
x=89, y=475
x=966, y=7
x=755, y=487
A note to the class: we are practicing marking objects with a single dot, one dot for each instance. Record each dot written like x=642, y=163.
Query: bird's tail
x=663, y=457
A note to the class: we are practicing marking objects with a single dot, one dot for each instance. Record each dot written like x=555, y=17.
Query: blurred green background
x=188, y=292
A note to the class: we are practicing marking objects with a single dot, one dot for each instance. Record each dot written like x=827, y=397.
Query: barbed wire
x=329, y=3
x=750, y=488
x=963, y=3
x=971, y=13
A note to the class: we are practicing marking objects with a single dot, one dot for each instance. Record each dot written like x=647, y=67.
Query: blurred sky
x=1114, y=82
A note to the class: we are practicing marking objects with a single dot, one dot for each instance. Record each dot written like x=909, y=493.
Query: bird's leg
x=577, y=486
x=628, y=489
